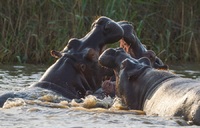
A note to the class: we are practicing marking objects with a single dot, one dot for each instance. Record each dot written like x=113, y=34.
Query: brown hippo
x=132, y=45
x=157, y=92
x=76, y=71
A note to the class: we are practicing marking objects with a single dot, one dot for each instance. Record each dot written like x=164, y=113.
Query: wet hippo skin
x=77, y=70
x=157, y=92
x=135, y=48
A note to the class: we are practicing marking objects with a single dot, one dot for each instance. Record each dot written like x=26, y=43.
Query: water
x=44, y=113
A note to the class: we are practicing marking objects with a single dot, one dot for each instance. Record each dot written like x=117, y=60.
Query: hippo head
x=132, y=45
x=104, y=31
x=73, y=73
x=77, y=69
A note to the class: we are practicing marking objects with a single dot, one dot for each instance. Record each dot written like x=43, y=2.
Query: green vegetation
x=29, y=29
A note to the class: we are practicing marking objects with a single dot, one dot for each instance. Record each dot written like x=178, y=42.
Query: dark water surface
x=43, y=113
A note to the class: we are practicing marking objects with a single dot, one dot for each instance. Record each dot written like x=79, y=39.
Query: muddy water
x=44, y=112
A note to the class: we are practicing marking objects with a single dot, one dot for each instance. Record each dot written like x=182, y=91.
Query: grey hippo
x=157, y=92
x=76, y=70
x=132, y=45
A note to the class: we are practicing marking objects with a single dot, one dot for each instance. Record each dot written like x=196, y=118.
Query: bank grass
x=31, y=28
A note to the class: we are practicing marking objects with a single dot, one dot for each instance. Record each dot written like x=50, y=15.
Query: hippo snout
x=109, y=58
x=103, y=61
x=112, y=31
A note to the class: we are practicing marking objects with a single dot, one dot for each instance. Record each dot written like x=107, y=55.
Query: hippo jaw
x=129, y=33
x=137, y=49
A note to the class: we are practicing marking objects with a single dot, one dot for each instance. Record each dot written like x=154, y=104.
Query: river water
x=20, y=113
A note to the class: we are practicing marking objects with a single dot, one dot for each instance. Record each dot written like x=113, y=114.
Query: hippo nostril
x=107, y=26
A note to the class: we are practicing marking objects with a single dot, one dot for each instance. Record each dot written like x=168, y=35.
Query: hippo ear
x=91, y=55
x=145, y=60
x=150, y=54
x=132, y=68
x=55, y=54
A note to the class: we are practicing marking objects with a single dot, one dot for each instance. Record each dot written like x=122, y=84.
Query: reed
x=29, y=29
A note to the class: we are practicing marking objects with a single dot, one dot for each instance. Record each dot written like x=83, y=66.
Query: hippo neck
x=63, y=74
x=137, y=48
x=54, y=87
x=153, y=82
x=93, y=38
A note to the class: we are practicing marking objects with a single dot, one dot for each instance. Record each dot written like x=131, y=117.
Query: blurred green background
x=29, y=29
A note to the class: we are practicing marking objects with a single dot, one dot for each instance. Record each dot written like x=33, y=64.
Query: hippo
x=135, y=48
x=157, y=92
x=77, y=70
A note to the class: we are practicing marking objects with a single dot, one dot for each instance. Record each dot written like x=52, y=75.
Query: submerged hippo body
x=135, y=48
x=77, y=70
x=157, y=92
